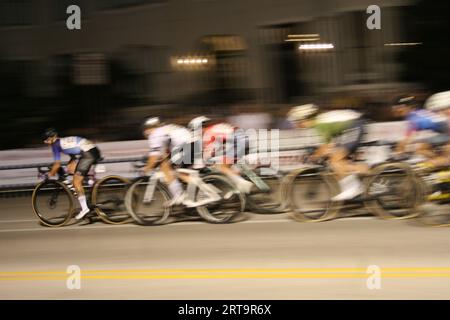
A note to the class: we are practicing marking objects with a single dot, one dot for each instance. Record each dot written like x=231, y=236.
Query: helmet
x=197, y=122
x=50, y=132
x=439, y=101
x=303, y=112
x=151, y=123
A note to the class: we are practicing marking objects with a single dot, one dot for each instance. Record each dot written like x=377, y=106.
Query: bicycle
x=147, y=195
x=265, y=197
x=54, y=200
x=391, y=191
x=435, y=183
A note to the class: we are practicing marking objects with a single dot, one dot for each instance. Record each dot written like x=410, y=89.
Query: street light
x=316, y=46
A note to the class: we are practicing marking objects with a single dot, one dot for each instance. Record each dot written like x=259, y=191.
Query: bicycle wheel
x=394, y=191
x=309, y=193
x=435, y=215
x=267, y=202
x=52, y=203
x=147, y=213
x=108, y=197
x=224, y=210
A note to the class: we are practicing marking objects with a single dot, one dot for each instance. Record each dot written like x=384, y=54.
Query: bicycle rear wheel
x=394, y=192
x=147, y=213
x=224, y=210
x=108, y=197
x=309, y=193
x=52, y=203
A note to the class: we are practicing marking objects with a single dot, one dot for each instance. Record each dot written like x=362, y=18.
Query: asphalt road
x=263, y=257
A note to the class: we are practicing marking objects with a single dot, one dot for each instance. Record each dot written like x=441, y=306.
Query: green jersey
x=333, y=123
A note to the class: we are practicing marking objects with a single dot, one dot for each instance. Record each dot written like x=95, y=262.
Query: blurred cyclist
x=222, y=145
x=440, y=104
x=342, y=131
x=74, y=147
x=432, y=119
x=171, y=145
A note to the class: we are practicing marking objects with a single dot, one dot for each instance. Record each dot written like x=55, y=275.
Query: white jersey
x=167, y=137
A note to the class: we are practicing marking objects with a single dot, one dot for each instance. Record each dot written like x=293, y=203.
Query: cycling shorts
x=87, y=159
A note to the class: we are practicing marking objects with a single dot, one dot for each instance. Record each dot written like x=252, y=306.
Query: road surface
x=263, y=257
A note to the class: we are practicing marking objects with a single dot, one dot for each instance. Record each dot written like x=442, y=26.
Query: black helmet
x=50, y=132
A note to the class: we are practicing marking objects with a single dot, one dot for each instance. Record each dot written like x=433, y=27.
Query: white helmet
x=439, y=101
x=302, y=112
x=151, y=123
x=197, y=122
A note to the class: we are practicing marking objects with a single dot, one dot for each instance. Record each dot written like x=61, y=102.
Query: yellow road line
x=279, y=270
x=234, y=276
x=288, y=273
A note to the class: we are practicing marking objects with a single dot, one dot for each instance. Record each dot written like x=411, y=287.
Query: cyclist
x=75, y=147
x=419, y=120
x=440, y=104
x=222, y=145
x=171, y=146
x=342, y=131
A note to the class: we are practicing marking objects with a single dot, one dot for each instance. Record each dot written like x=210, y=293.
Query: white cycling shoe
x=244, y=186
x=175, y=201
x=351, y=187
x=82, y=214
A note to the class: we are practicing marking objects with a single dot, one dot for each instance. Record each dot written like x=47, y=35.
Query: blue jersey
x=71, y=146
x=426, y=120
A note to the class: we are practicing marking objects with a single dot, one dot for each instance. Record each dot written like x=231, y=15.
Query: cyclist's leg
x=234, y=152
x=71, y=166
x=441, y=160
x=87, y=159
x=427, y=148
x=174, y=185
x=346, y=169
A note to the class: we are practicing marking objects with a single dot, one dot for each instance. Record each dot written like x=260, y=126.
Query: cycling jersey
x=333, y=123
x=71, y=146
x=217, y=134
x=343, y=127
x=223, y=143
x=164, y=139
x=421, y=120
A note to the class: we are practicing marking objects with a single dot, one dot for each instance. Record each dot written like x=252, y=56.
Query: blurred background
x=245, y=60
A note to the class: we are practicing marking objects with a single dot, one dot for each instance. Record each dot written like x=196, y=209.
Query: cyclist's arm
x=322, y=151
x=55, y=167
x=57, y=160
x=157, y=142
x=151, y=163
x=401, y=146
x=326, y=132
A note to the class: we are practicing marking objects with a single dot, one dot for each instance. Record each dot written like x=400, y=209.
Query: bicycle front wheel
x=108, y=197
x=52, y=203
x=147, y=211
x=223, y=211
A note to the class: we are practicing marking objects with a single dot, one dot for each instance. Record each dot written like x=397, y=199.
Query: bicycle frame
x=191, y=189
